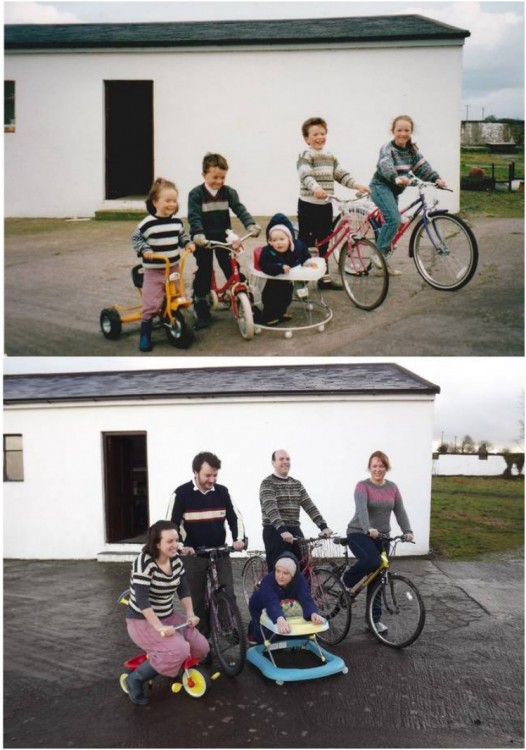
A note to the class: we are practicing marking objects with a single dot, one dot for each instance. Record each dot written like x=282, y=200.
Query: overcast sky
x=493, y=80
x=480, y=397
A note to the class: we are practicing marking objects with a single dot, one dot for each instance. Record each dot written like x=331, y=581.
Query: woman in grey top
x=375, y=499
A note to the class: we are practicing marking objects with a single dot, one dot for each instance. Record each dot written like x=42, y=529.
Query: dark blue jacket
x=270, y=595
x=272, y=262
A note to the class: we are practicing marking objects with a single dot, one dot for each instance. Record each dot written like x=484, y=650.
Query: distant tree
x=443, y=448
x=484, y=447
x=467, y=445
x=490, y=118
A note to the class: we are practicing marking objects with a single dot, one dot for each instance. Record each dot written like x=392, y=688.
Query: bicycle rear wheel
x=227, y=633
x=396, y=603
x=253, y=571
x=363, y=273
x=445, y=252
x=332, y=602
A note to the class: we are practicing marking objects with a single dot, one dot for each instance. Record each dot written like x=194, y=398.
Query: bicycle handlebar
x=207, y=550
x=211, y=244
x=417, y=182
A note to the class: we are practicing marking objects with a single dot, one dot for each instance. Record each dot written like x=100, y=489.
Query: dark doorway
x=126, y=486
x=129, y=138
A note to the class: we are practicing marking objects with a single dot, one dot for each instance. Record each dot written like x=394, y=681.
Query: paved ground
x=459, y=686
x=59, y=275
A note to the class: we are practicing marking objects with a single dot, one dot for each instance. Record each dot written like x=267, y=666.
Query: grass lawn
x=494, y=203
x=471, y=516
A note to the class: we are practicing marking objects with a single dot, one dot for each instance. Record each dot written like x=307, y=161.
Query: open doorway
x=126, y=487
x=129, y=138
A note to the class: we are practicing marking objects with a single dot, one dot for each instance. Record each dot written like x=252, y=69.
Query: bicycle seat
x=137, y=273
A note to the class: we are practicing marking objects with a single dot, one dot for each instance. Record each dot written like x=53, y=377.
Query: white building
x=95, y=112
x=91, y=459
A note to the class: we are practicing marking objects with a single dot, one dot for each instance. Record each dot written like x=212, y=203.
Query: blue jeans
x=367, y=552
x=387, y=201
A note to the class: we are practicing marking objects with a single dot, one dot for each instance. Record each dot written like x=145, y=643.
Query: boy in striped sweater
x=318, y=169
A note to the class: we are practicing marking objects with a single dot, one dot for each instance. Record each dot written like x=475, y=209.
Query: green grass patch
x=472, y=516
x=493, y=204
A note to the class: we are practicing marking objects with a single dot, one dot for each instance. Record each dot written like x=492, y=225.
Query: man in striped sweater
x=282, y=497
x=199, y=509
x=318, y=169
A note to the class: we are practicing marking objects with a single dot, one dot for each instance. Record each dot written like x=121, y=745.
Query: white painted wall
x=58, y=510
x=448, y=465
x=246, y=104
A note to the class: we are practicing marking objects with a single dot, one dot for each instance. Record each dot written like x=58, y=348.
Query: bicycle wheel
x=363, y=273
x=245, y=317
x=333, y=603
x=227, y=633
x=253, y=571
x=445, y=252
x=396, y=603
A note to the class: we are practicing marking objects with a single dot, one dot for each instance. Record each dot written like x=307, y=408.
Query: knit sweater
x=152, y=587
x=200, y=516
x=320, y=169
x=374, y=505
x=281, y=501
x=396, y=162
x=164, y=235
x=210, y=214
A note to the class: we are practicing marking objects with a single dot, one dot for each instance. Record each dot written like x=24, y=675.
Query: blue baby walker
x=302, y=638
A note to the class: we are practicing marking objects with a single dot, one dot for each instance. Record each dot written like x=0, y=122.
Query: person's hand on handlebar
x=373, y=533
x=362, y=188
x=408, y=536
x=200, y=240
x=238, y=546
x=287, y=537
x=441, y=184
x=254, y=229
x=327, y=532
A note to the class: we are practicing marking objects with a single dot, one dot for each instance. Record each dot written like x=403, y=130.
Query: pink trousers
x=153, y=291
x=167, y=654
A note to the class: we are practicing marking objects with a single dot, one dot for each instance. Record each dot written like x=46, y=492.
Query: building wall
x=58, y=510
x=246, y=104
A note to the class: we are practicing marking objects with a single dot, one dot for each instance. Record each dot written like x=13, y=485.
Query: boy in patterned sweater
x=317, y=171
x=209, y=206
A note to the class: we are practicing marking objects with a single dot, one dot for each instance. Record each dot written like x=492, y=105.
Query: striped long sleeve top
x=152, y=587
x=374, y=505
x=396, y=162
x=164, y=235
x=281, y=501
x=320, y=169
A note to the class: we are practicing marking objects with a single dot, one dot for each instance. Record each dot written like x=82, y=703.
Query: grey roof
x=221, y=33
x=292, y=380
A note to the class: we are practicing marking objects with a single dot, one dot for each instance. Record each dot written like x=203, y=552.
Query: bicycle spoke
x=332, y=602
x=363, y=274
x=445, y=252
x=395, y=603
x=253, y=571
x=227, y=633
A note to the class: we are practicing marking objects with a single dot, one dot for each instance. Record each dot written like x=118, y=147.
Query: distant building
x=95, y=111
x=91, y=459
x=481, y=133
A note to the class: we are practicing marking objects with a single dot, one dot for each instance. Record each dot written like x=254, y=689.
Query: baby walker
x=302, y=637
x=311, y=314
x=175, y=315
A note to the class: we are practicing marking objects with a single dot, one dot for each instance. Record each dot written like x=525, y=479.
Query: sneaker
x=347, y=589
x=380, y=627
x=285, y=318
x=393, y=271
x=377, y=262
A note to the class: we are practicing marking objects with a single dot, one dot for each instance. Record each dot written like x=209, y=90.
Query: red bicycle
x=234, y=294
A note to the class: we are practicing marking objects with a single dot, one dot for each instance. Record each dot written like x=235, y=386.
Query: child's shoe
x=202, y=311
x=145, y=341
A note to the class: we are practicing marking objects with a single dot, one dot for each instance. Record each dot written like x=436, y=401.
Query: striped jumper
x=281, y=501
x=320, y=169
x=374, y=505
x=151, y=587
x=164, y=235
x=396, y=162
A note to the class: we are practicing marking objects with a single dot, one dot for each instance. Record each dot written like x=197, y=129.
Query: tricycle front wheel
x=245, y=317
x=196, y=681
x=110, y=323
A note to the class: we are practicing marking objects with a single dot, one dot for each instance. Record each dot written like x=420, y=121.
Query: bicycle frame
x=234, y=284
